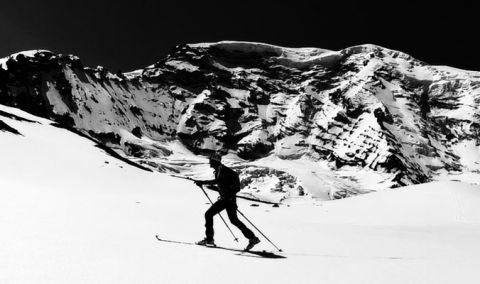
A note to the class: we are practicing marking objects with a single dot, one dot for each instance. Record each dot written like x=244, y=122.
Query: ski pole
x=208, y=197
x=234, y=237
x=259, y=230
x=238, y=196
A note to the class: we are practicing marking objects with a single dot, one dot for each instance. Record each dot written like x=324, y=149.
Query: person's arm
x=205, y=182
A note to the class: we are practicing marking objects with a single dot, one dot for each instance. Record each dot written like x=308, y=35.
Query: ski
x=263, y=253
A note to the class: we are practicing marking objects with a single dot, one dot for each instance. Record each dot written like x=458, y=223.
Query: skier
x=228, y=184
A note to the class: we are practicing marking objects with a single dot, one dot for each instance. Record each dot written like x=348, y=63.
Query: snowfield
x=70, y=213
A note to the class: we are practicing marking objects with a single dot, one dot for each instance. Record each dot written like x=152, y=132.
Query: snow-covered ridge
x=295, y=57
x=27, y=53
x=257, y=47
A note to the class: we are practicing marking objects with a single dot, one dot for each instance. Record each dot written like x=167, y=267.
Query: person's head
x=215, y=160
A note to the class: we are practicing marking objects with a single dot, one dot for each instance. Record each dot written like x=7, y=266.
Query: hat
x=216, y=157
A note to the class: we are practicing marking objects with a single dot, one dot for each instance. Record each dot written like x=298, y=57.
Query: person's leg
x=232, y=215
x=216, y=208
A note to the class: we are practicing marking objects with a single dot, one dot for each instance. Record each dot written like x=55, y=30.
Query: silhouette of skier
x=228, y=184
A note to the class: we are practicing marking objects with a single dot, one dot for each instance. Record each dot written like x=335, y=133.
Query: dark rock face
x=363, y=107
x=7, y=128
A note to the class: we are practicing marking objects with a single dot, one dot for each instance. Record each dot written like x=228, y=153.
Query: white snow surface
x=3, y=63
x=70, y=213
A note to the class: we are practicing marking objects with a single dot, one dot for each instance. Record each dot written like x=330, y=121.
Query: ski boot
x=206, y=242
x=252, y=242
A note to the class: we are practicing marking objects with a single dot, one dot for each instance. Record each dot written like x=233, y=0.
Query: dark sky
x=133, y=34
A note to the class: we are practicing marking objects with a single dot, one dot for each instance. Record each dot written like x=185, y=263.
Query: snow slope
x=70, y=213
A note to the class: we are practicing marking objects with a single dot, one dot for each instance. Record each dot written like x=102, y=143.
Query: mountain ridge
x=361, y=108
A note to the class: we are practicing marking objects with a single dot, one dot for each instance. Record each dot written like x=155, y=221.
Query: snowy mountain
x=293, y=121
